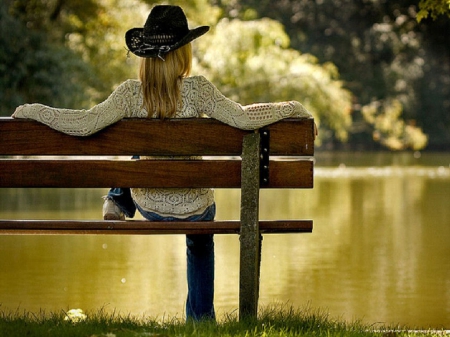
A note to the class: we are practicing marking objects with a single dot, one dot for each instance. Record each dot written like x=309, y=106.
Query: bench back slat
x=147, y=173
x=152, y=137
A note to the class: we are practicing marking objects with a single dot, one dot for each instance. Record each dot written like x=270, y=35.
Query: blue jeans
x=200, y=259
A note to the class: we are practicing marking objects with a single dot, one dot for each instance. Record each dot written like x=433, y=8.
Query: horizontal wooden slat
x=142, y=227
x=291, y=174
x=147, y=173
x=199, y=136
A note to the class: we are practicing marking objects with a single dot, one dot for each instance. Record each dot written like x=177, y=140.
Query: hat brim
x=134, y=39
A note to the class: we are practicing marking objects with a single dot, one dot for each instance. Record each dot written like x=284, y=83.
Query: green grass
x=273, y=321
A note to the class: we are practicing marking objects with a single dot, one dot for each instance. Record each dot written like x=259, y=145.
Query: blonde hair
x=161, y=81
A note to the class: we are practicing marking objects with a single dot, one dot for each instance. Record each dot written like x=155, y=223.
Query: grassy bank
x=280, y=322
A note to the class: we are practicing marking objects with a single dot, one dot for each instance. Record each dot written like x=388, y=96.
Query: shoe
x=111, y=211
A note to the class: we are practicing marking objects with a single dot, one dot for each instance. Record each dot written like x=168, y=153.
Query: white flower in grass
x=75, y=315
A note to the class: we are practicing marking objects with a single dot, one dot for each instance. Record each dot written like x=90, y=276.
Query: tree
x=382, y=53
x=67, y=53
x=34, y=70
x=251, y=61
x=389, y=129
x=433, y=8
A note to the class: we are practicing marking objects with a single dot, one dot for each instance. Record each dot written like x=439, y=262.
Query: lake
x=379, y=251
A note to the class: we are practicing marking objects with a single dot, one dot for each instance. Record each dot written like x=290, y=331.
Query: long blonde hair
x=161, y=81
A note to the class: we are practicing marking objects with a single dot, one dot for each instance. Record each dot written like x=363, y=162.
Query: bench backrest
x=290, y=142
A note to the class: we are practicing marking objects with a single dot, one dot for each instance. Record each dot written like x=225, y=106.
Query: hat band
x=148, y=47
x=161, y=39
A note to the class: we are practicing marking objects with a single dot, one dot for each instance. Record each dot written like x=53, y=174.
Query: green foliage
x=389, y=129
x=100, y=43
x=33, y=70
x=382, y=54
x=433, y=8
x=53, y=16
x=250, y=61
x=64, y=53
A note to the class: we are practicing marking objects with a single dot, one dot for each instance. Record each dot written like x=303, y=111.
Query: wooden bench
x=278, y=156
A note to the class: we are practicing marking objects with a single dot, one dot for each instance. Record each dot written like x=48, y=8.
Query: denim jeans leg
x=200, y=266
x=200, y=277
x=200, y=271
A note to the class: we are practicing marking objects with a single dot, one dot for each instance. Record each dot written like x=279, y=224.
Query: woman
x=165, y=90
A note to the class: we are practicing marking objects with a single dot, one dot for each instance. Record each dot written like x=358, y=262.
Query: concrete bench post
x=250, y=243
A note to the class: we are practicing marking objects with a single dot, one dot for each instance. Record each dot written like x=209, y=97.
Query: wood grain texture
x=152, y=137
x=146, y=173
x=129, y=227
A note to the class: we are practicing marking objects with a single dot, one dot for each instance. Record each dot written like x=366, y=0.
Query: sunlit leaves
x=104, y=45
x=433, y=8
x=250, y=61
x=78, y=46
x=389, y=129
x=381, y=51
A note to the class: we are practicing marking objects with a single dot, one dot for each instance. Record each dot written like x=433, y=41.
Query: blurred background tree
x=250, y=61
x=383, y=55
x=63, y=52
x=372, y=74
x=35, y=69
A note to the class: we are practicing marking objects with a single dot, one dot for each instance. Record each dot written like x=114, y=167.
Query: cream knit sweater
x=199, y=97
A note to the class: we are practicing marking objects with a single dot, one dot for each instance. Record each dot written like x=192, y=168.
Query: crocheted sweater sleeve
x=200, y=97
x=83, y=122
x=214, y=104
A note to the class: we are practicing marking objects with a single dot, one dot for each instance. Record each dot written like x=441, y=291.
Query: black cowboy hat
x=166, y=29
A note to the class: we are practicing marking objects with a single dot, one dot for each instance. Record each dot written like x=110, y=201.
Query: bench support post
x=250, y=238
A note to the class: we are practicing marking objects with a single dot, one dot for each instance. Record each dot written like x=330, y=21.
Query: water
x=378, y=252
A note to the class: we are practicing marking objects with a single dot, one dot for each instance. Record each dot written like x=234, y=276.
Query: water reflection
x=379, y=252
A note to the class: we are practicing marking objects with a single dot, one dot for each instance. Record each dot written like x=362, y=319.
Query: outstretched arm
x=81, y=122
x=214, y=104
